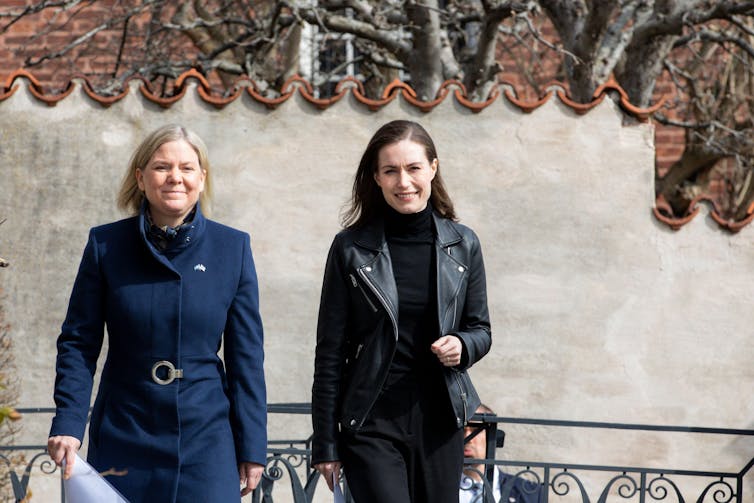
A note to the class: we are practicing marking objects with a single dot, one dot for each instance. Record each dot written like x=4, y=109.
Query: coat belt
x=163, y=371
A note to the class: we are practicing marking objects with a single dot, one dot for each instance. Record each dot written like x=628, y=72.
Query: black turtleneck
x=410, y=239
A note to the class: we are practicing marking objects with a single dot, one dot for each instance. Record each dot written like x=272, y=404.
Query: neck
x=162, y=220
x=397, y=223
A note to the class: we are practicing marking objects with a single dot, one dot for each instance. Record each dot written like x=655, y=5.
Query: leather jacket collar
x=372, y=235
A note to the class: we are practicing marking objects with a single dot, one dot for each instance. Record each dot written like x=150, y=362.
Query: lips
x=407, y=196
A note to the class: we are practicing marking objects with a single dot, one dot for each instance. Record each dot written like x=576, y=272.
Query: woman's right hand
x=63, y=447
x=327, y=470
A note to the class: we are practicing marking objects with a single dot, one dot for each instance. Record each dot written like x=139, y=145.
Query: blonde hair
x=130, y=197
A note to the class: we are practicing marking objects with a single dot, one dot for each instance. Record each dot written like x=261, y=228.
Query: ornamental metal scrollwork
x=659, y=492
x=723, y=494
x=296, y=456
x=627, y=487
x=530, y=484
x=486, y=487
x=562, y=487
x=21, y=485
x=273, y=472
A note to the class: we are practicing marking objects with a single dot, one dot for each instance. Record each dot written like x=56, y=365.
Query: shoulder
x=370, y=236
x=449, y=231
x=465, y=231
x=217, y=230
x=345, y=236
x=115, y=229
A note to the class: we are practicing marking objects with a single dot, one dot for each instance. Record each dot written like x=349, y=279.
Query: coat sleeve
x=79, y=345
x=474, y=328
x=329, y=357
x=244, y=365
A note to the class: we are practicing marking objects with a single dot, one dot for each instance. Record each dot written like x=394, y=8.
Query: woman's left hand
x=250, y=474
x=448, y=350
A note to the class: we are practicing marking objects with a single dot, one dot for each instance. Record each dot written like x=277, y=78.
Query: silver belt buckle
x=173, y=373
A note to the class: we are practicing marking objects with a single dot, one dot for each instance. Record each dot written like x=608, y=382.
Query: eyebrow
x=412, y=163
x=166, y=161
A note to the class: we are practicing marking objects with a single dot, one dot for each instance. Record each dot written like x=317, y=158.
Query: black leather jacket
x=358, y=326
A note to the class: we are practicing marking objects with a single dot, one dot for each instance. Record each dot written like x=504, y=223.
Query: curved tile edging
x=664, y=213
x=348, y=84
x=450, y=87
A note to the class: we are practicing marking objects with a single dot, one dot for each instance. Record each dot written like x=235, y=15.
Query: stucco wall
x=599, y=312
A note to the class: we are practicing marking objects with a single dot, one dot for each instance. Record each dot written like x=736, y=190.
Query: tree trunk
x=641, y=67
x=695, y=159
x=424, y=62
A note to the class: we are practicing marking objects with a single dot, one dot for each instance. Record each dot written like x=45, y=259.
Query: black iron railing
x=289, y=475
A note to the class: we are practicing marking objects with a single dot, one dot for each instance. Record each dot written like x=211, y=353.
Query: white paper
x=337, y=492
x=86, y=485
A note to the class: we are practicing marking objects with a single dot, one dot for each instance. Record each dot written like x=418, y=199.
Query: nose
x=174, y=175
x=404, y=179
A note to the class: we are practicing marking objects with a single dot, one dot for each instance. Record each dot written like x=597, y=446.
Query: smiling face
x=404, y=174
x=171, y=181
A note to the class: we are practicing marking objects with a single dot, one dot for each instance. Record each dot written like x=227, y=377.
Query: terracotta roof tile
x=349, y=84
x=663, y=212
x=296, y=83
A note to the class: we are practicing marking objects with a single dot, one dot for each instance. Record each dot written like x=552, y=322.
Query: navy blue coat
x=181, y=441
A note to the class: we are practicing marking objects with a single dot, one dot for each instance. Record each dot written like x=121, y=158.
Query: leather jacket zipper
x=461, y=391
x=383, y=301
x=455, y=309
x=366, y=297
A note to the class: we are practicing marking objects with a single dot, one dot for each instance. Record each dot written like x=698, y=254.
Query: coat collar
x=187, y=234
x=372, y=235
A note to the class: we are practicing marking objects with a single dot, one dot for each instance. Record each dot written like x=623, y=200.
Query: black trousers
x=409, y=450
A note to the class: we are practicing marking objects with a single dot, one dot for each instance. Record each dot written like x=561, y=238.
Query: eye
x=187, y=167
x=160, y=167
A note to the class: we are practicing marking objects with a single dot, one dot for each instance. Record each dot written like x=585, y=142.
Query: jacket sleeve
x=244, y=364
x=474, y=327
x=79, y=345
x=329, y=357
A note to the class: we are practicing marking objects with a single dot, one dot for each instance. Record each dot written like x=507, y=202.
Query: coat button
x=353, y=422
x=460, y=268
x=368, y=269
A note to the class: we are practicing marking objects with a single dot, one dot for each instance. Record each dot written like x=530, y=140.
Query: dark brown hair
x=367, y=202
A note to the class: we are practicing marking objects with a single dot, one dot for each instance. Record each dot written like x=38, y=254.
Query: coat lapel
x=450, y=273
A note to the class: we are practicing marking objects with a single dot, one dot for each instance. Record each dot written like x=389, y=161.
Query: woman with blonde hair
x=176, y=422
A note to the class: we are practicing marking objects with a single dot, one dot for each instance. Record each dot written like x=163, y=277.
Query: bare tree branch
x=719, y=38
x=484, y=66
x=34, y=9
x=90, y=34
x=386, y=38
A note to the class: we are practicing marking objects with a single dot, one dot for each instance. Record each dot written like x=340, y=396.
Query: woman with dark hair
x=169, y=285
x=403, y=314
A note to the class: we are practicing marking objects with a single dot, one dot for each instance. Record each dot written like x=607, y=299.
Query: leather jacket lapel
x=376, y=269
x=450, y=274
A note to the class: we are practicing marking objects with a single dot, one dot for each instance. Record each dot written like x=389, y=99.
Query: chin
x=408, y=209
